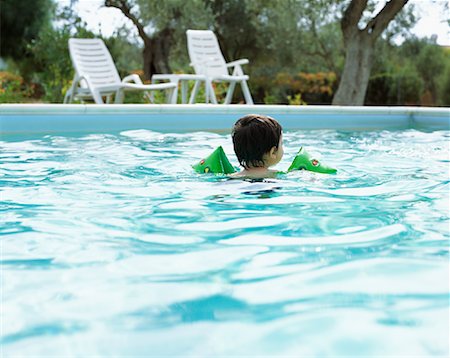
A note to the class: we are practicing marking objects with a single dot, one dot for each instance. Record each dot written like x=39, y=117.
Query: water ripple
x=111, y=245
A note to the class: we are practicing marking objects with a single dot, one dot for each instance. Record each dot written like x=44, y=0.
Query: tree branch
x=381, y=21
x=352, y=15
x=326, y=58
x=123, y=6
x=325, y=54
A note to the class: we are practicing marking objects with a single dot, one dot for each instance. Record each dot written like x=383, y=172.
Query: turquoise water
x=111, y=245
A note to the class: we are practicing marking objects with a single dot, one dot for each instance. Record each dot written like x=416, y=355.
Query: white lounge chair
x=96, y=75
x=207, y=59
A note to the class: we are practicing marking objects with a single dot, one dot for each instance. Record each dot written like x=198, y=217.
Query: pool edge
x=41, y=117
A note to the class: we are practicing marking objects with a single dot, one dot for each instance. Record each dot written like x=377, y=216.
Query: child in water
x=258, y=144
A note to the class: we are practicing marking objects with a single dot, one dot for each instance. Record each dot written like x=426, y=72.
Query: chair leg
x=184, y=90
x=210, y=95
x=174, y=91
x=246, y=92
x=70, y=94
x=230, y=92
x=171, y=95
x=194, y=92
x=97, y=97
x=119, y=97
x=67, y=96
x=151, y=94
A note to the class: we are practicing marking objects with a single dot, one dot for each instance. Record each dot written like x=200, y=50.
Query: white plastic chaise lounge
x=207, y=59
x=96, y=75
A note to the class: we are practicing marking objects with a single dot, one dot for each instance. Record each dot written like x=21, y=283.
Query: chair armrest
x=163, y=76
x=175, y=77
x=132, y=78
x=94, y=91
x=242, y=61
x=85, y=78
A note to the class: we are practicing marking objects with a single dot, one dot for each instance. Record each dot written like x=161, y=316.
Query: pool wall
x=59, y=118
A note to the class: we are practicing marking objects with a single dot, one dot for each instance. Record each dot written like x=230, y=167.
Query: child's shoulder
x=249, y=174
x=237, y=175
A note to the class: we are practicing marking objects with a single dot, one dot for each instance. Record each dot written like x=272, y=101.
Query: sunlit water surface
x=111, y=245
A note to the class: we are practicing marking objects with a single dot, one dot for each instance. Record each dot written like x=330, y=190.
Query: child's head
x=257, y=141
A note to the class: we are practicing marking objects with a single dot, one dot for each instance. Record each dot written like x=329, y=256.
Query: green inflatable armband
x=216, y=163
x=303, y=161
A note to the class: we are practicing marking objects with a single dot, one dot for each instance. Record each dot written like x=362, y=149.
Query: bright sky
x=105, y=20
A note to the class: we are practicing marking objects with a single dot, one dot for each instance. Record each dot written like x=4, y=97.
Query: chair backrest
x=205, y=53
x=91, y=57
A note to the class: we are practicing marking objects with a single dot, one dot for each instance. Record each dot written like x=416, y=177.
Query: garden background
x=295, y=47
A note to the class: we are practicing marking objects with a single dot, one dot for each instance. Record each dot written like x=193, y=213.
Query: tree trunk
x=156, y=48
x=156, y=53
x=149, y=70
x=359, y=46
x=355, y=77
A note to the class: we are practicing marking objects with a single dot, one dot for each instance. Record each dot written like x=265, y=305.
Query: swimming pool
x=111, y=245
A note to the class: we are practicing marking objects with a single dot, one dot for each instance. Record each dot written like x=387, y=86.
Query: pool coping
x=38, y=108
x=198, y=116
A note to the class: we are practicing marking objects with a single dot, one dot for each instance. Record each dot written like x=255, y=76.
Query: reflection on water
x=111, y=245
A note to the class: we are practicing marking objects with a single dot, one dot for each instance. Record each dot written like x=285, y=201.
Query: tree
x=21, y=21
x=289, y=36
x=158, y=23
x=156, y=47
x=50, y=62
x=359, y=48
x=236, y=25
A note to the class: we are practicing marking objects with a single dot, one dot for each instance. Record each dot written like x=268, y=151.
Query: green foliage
x=127, y=56
x=410, y=74
x=293, y=46
x=404, y=87
x=400, y=27
x=20, y=23
x=311, y=87
x=444, y=87
x=296, y=100
x=53, y=69
x=270, y=98
x=173, y=16
x=431, y=65
x=237, y=26
x=443, y=82
x=13, y=89
x=52, y=65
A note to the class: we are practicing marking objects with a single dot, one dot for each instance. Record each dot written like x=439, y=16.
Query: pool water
x=111, y=245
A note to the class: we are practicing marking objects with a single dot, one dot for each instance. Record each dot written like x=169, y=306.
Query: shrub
x=13, y=89
x=51, y=66
x=311, y=87
x=296, y=100
x=402, y=87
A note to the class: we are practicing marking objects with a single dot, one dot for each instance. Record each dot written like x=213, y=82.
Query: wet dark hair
x=253, y=136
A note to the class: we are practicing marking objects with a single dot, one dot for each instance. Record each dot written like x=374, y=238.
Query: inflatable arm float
x=218, y=163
